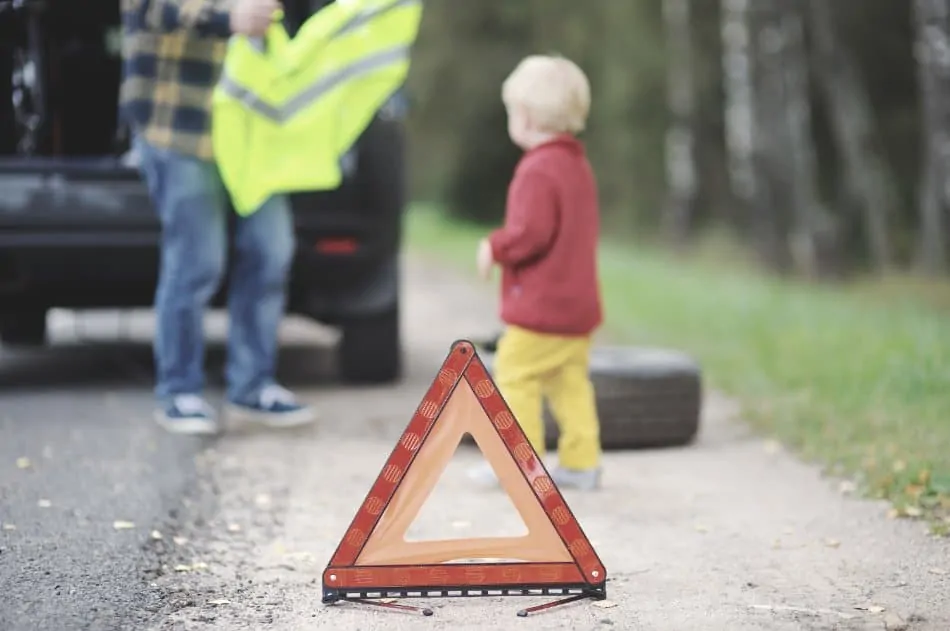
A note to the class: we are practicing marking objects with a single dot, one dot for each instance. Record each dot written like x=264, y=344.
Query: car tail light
x=341, y=245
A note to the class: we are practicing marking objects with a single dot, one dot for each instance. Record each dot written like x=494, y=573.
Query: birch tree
x=933, y=65
x=773, y=160
x=737, y=88
x=680, y=137
x=807, y=213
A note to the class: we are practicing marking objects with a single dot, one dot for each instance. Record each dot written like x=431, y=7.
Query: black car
x=76, y=227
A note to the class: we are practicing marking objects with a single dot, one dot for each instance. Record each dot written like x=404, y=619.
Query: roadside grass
x=855, y=377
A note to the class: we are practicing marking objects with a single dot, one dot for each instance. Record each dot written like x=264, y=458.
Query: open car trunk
x=66, y=53
x=73, y=177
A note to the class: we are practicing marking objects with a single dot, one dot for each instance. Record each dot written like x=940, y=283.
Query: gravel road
x=730, y=533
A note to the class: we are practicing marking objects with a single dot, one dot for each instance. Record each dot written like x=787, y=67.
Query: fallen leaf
x=893, y=513
x=938, y=571
x=234, y=528
x=847, y=487
x=461, y=524
x=44, y=503
x=156, y=535
x=23, y=463
x=604, y=604
x=219, y=601
x=122, y=525
x=192, y=567
x=9, y=527
x=913, y=511
x=832, y=543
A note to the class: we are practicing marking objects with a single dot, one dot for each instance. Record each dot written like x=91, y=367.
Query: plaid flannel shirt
x=173, y=52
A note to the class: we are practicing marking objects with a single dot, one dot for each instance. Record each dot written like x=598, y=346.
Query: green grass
x=855, y=377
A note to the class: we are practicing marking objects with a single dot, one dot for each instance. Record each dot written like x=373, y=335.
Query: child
x=547, y=250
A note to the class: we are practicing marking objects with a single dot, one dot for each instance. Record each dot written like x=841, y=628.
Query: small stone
x=893, y=622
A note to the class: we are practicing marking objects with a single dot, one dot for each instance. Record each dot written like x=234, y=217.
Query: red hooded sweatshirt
x=547, y=247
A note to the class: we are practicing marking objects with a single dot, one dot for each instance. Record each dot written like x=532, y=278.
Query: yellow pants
x=531, y=367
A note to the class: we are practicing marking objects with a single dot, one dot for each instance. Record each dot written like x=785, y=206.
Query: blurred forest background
x=775, y=178
x=811, y=133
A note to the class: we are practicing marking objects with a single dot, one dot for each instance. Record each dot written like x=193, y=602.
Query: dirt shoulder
x=730, y=533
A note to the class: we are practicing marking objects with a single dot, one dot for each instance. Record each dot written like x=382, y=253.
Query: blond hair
x=553, y=90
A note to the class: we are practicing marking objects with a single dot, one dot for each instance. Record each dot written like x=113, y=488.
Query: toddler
x=547, y=251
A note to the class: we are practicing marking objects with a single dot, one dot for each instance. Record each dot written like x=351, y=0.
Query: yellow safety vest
x=286, y=110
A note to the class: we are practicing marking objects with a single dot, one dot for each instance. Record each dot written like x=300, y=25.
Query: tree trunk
x=805, y=203
x=773, y=156
x=680, y=137
x=933, y=67
x=868, y=180
x=739, y=120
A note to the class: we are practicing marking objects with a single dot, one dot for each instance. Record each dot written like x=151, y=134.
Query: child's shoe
x=483, y=475
x=187, y=414
x=275, y=407
x=580, y=479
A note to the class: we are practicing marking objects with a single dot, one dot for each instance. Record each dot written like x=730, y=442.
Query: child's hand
x=485, y=259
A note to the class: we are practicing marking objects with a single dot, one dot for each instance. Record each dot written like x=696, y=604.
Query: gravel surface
x=730, y=533
x=111, y=524
x=84, y=477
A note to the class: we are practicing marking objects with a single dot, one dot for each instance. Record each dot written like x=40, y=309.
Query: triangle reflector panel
x=374, y=560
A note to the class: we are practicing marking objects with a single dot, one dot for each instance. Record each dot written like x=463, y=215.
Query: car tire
x=646, y=397
x=370, y=350
x=23, y=328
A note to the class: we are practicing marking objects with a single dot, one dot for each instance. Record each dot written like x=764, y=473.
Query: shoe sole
x=192, y=427
x=278, y=421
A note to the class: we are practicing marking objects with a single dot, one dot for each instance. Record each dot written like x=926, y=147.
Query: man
x=173, y=52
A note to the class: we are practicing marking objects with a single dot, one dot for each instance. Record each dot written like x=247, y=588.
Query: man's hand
x=253, y=17
x=485, y=259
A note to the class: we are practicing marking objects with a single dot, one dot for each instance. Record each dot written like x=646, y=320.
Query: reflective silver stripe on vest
x=306, y=97
x=360, y=19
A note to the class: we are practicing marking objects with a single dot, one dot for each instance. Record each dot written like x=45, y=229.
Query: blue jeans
x=191, y=203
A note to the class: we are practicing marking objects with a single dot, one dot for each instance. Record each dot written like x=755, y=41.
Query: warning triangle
x=374, y=559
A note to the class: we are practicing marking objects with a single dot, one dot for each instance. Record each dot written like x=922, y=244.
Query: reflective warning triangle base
x=374, y=560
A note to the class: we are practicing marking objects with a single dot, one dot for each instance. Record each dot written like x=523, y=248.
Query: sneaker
x=483, y=475
x=580, y=479
x=187, y=414
x=275, y=407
